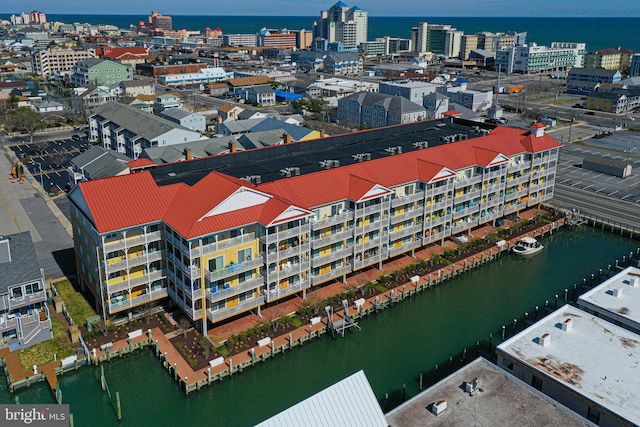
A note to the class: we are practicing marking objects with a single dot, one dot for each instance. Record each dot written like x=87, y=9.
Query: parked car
x=81, y=127
x=76, y=137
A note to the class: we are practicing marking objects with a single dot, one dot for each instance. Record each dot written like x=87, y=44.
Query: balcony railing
x=136, y=281
x=292, y=288
x=371, y=243
x=406, y=231
x=415, y=213
x=223, y=244
x=293, y=250
x=437, y=206
x=465, y=212
x=214, y=295
x=133, y=302
x=522, y=165
x=241, y=307
x=380, y=207
x=470, y=195
x=331, y=238
x=33, y=298
x=333, y=256
x=377, y=225
x=284, y=234
x=367, y=261
x=399, y=201
x=234, y=269
x=439, y=220
x=133, y=261
x=130, y=242
x=286, y=271
x=336, y=273
x=335, y=219
x=404, y=248
x=490, y=175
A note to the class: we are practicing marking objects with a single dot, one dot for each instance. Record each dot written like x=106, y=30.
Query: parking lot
x=570, y=172
x=48, y=162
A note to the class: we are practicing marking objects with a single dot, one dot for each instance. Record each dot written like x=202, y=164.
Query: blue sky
x=534, y=8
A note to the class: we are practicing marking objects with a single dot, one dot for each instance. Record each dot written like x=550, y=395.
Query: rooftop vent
x=254, y=179
x=544, y=340
x=171, y=174
x=361, y=157
x=420, y=144
x=633, y=281
x=328, y=164
x=616, y=292
x=393, y=150
x=471, y=386
x=567, y=325
x=439, y=407
x=290, y=172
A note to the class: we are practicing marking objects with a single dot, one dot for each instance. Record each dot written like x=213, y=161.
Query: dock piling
x=118, y=405
x=420, y=381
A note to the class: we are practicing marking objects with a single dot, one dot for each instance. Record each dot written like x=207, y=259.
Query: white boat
x=527, y=246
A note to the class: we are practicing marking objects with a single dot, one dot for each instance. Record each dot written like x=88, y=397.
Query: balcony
x=493, y=202
x=516, y=194
x=521, y=165
x=241, y=307
x=438, y=191
x=333, y=256
x=130, y=242
x=133, y=302
x=223, y=244
x=470, y=195
x=439, y=220
x=377, y=225
x=284, y=234
x=334, y=274
x=415, y=213
x=437, y=206
x=357, y=265
x=464, y=225
x=25, y=300
x=287, y=270
x=490, y=217
x=518, y=181
x=279, y=292
x=234, y=269
x=133, y=261
x=335, y=219
x=220, y=294
x=403, y=200
x=406, y=231
x=380, y=207
x=490, y=175
x=465, y=212
x=405, y=247
x=136, y=281
x=372, y=243
x=328, y=239
x=293, y=251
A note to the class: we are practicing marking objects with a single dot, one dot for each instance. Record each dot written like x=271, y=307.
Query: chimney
x=219, y=124
x=286, y=138
x=567, y=325
x=544, y=340
x=233, y=147
x=321, y=133
x=188, y=154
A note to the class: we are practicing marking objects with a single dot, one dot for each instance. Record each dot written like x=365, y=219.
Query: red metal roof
x=129, y=200
x=140, y=163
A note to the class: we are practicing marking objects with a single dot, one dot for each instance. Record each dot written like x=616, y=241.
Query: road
x=615, y=210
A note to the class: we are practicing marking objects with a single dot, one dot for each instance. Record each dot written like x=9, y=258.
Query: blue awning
x=287, y=96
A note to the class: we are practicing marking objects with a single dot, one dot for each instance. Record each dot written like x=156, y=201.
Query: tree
x=146, y=310
x=24, y=119
x=184, y=324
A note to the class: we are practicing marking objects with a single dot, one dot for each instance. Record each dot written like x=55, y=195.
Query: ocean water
x=597, y=33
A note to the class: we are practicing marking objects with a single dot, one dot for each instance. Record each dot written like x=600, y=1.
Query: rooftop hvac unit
x=256, y=179
x=393, y=150
x=420, y=144
x=328, y=164
x=361, y=157
x=290, y=171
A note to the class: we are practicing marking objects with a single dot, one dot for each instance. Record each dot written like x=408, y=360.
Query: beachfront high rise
x=341, y=24
x=436, y=38
x=282, y=220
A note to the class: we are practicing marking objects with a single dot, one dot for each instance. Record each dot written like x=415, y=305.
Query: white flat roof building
x=616, y=300
x=499, y=400
x=585, y=363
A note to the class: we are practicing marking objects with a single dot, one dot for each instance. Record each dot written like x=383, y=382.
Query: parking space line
x=634, y=184
x=562, y=182
x=576, y=183
x=588, y=186
x=611, y=194
x=597, y=191
x=611, y=177
x=628, y=195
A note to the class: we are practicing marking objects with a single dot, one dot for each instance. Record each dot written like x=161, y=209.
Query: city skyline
x=461, y=8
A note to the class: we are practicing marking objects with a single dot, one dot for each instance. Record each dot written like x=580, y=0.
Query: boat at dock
x=527, y=246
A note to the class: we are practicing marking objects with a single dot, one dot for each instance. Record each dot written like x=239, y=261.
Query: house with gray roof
x=128, y=130
x=137, y=87
x=296, y=133
x=185, y=118
x=49, y=107
x=90, y=98
x=375, y=110
x=97, y=162
x=262, y=95
x=261, y=139
x=584, y=80
x=24, y=315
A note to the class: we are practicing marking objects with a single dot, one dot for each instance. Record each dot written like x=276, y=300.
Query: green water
x=393, y=348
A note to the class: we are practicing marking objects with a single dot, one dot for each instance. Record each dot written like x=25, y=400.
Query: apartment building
x=100, y=72
x=56, y=61
x=376, y=110
x=616, y=58
x=436, y=38
x=342, y=24
x=220, y=245
x=537, y=59
x=24, y=315
x=585, y=80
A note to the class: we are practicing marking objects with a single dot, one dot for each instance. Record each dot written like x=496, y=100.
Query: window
x=31, y=289
x=16, y=292
x=536, y=383
x=244, y=255
x=593, y=415
x=216, y=263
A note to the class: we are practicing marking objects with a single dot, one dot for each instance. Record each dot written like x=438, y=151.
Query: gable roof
x=21, y=264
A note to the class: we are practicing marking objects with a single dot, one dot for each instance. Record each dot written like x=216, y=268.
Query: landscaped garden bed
x=102, y=334
x=195, y=349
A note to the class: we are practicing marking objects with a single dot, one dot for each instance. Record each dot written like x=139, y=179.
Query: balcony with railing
x=363, y=229
x=284, y=234
x=470, y=195
x=223, y=244
x=291, y=288
x=122, y=304
x=334, y=274
x=286, y=270
x=234, y=269
x=491, y=175
x=406, y=231
x=329, y=221
x=437, y=206
x=432, y=193
x=403, y=200
x=405, y=247
x=135, y=261
x=464, y=225
x=34, y=298
x=357, y=265
x=414, y=213
x=241, y=307
x=214, y=294
x=516, y=194
x=292, y=250
x=371, y=243
x=517, y=181
x=328, y=239
x=136, y=281
x=519, y=166
x=380, y=207
x=334, y=255
x=465, y=212
x=435, y=221
x=132, y=241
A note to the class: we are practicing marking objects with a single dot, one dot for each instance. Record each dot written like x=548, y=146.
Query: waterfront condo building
x=616, y=58
x=436, y=38
x=341, y=24
x=538, y=59
x=280, y=220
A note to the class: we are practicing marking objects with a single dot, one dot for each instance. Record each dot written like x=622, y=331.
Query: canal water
x=394, y=346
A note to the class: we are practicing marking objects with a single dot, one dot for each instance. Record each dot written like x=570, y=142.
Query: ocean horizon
x=595, y=32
